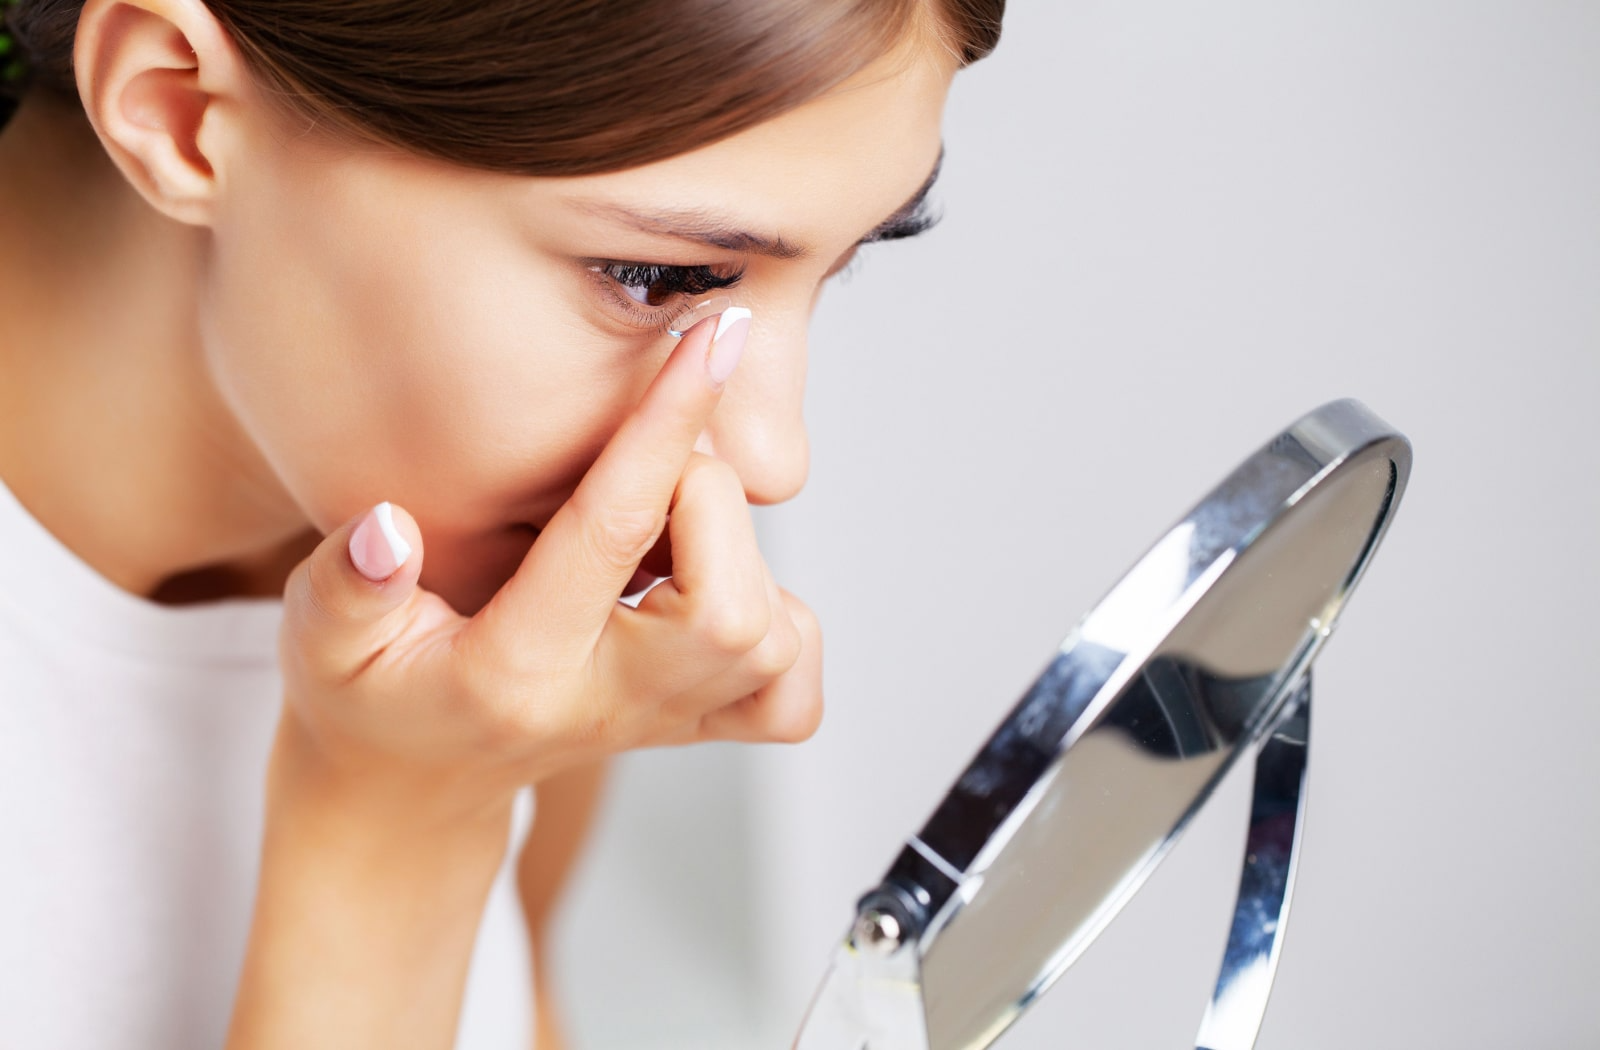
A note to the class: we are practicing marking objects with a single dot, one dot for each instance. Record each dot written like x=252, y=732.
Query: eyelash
x=683, y=285
x=686, y=283
x=923, y=219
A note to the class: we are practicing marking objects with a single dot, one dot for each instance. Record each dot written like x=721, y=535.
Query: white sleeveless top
x=133, y=744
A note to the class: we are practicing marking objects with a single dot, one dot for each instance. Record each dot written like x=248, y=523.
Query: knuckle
x=599, y=729
x=508, y=713
x=713, y=476
x=503, y=722
x=732, y=627
x=485, y=699
x=796, y=720
x=475, y=673
x=622, y=536
x=805, y=621
x=778, y=652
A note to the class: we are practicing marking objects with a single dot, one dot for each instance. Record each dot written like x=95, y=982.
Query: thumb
x=377, y=548
x=337, y=602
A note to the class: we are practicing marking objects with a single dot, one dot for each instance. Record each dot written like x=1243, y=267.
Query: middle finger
x=714, y=608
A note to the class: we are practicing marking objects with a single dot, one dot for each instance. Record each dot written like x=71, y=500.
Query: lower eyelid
x=644, y=318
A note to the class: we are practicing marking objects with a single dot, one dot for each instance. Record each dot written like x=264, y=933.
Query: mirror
x=1199, y=655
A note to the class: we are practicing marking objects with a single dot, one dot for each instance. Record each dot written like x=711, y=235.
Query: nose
x=759, y=426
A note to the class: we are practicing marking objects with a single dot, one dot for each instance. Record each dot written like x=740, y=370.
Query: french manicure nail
x=727, y=343
x=376, y=546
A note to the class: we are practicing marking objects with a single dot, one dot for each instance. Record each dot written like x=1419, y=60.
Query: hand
x=388, y=688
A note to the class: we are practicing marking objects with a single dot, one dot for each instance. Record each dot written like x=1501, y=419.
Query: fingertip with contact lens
x=681, y=324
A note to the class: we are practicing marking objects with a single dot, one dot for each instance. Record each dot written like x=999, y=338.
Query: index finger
x=569, y=581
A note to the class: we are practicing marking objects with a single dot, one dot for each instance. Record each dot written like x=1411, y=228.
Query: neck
x=111, y=432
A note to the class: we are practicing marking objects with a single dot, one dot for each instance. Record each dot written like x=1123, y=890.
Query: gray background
x=1171, y=229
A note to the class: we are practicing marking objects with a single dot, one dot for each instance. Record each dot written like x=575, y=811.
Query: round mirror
x=1200, y=654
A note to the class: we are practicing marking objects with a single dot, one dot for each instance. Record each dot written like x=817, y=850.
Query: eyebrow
x=709, y=230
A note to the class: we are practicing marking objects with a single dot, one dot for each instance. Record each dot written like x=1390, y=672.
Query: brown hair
x=544, y=87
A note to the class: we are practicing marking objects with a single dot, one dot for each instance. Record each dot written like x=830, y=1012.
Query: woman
x=342, y=395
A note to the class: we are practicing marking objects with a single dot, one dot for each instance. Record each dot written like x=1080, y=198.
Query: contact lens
x=697, y=313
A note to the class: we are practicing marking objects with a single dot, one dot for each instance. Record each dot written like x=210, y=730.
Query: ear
x=159, y=81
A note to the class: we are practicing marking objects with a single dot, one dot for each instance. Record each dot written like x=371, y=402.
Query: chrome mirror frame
x=1131, y=725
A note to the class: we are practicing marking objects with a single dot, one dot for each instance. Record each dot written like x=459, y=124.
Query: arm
x=365, y=917
x=566, y=808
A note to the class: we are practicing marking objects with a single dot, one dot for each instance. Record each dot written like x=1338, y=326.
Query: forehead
x=834, y=166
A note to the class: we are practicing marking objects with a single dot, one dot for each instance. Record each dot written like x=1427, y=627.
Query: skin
x=286, y=329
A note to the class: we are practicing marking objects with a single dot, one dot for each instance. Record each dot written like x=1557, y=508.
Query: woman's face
x=464, y=343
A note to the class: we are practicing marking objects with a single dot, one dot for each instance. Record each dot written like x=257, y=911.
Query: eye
x=650, y=295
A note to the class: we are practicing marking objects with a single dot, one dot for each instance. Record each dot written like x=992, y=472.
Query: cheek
x=386, y=355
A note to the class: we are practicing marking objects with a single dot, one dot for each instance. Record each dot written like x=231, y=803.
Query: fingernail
x=727, y=343
x=376, y=546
